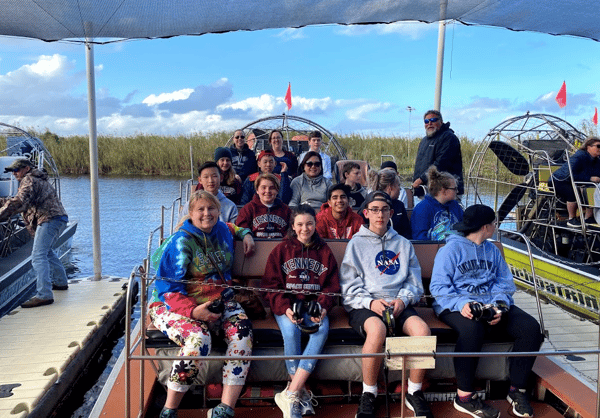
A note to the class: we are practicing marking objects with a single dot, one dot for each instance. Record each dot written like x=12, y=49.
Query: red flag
x=288, y=96
x=595, y=118
x=561, y=97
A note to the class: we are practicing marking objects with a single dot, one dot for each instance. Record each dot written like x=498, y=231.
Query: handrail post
x=533, y=275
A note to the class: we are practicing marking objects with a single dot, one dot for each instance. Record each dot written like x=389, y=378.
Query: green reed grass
x=170, y=155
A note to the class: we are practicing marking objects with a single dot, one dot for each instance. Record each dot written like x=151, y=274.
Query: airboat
x=510, y=171
x=17, y=278
x=135, y=387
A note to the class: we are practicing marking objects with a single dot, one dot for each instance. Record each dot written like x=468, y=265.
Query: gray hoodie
x=377, y=267
x=312, y=191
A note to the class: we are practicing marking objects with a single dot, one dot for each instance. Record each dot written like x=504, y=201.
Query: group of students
x=379, y=273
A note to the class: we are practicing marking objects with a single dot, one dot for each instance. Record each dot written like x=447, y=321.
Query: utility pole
x=410, y=109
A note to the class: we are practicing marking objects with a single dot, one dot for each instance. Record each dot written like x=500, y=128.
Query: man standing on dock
x=439, y=147
x=46, y=219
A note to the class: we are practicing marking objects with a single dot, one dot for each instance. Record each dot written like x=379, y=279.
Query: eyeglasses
x=310, y=164
x=376, y=211
x=432, y=120
x=452, y=188
x=240, y=137
x=595, y=145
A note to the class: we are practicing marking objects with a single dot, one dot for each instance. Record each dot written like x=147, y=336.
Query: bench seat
x=341, y=340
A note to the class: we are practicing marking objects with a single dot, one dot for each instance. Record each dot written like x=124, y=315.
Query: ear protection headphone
x=312, y=308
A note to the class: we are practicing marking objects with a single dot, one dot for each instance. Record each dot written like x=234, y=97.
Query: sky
x=349, y=79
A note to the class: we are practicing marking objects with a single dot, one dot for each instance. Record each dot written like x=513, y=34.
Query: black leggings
x=515, y=325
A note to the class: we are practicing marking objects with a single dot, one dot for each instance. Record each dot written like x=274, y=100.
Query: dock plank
x=39, y=344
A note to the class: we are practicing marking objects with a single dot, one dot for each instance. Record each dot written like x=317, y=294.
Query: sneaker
x=35, y=302
x=220, y=411
x=476, y=408
x=366, y=407
x=289, y=404
x=168, y=413
x=520, y=404
x=59, y=286
x=307, y=402
x=574, y=223
x=418, y=404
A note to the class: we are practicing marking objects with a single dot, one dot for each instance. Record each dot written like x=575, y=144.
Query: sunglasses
x=310, y=164
x=595, y=145
x=432, y=120
x=240, y=137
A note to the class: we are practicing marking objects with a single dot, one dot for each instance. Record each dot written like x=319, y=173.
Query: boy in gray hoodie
x=380, y=270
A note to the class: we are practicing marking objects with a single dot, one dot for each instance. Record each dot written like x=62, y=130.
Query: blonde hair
x=196, y=196
x=382, y=179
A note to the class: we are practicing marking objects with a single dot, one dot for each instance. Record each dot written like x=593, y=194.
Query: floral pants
x=194, y=338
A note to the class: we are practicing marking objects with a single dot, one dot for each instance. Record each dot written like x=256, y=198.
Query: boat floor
x=45, y=348
x=439, y=409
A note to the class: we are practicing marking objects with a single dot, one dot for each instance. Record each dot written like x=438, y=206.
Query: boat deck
x=567, y=332
x=45, y=348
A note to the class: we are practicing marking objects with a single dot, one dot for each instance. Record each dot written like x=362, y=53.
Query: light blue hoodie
x=377, y=267
x=464, y=271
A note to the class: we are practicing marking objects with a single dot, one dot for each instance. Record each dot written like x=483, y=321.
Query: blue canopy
x=106, y=20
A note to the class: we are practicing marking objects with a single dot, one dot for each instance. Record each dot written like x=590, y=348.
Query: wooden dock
x=567, y=332
x=44, y=349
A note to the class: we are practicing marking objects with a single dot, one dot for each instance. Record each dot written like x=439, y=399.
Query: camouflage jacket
x=36, y=199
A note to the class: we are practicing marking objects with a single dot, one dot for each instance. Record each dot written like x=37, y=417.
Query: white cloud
x=360, y=112
x=289, y=34
x=47, y=66
x=412, y=30
x=168, y=97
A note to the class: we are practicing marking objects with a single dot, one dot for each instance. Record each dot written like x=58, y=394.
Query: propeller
x=512, y=159
x=517, y=164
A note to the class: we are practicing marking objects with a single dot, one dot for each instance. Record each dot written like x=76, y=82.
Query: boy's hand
x=398, y=306
x=378, y=306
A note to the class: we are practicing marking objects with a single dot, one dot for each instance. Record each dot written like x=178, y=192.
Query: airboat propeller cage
x=295, y=131
x=506, y=159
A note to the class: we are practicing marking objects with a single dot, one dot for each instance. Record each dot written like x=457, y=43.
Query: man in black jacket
x=440, y=147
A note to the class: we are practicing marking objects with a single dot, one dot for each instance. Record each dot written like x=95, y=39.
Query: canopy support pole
x=91, y=84
x=440, y=56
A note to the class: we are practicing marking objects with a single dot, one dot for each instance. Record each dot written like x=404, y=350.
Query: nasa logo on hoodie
x=387, y=262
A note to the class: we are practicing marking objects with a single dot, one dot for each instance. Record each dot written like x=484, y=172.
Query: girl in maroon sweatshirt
x=301, y=263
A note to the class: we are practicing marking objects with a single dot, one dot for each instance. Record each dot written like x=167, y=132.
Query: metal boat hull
x=17, y=282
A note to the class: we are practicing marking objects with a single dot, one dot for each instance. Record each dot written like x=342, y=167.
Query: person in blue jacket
x=585, y=166
x=469, y=272
x=433, y=217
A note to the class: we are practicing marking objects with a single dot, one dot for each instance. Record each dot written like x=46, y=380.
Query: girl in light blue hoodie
x=467, y=270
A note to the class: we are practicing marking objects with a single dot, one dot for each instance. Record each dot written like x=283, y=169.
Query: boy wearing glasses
x=243, y=158
x=439, y=147
x=469, y=272
x=381, y=271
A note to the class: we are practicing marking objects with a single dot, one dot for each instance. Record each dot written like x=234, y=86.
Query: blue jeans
x=44, y=261
x=292, y=342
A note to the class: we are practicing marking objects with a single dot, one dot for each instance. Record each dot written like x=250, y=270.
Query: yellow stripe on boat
x=39, y=344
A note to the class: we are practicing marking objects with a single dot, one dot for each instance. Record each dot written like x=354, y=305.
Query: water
x=129, y=210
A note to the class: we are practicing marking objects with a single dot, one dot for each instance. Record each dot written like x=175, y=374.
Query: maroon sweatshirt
x=330, y=228
x=265, y=222
x=293, y=266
